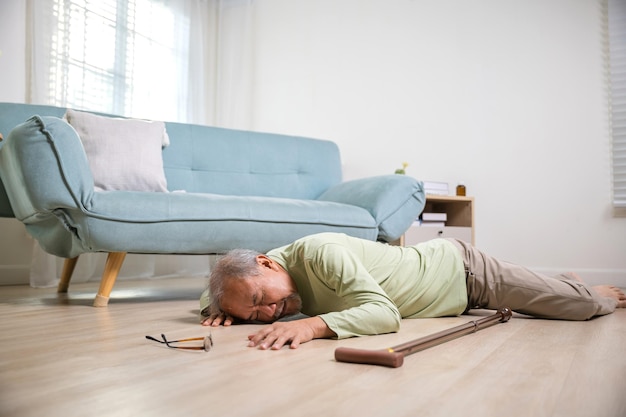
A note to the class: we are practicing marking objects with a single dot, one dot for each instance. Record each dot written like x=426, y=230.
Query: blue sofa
x=226, y=189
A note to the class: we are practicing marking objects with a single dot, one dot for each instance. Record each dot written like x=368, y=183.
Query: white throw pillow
x=123, y=154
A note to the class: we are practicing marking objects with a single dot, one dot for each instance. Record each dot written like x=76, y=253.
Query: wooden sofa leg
x=111, y=270
x=66, y=274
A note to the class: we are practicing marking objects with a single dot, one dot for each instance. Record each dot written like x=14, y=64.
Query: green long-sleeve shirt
x=359, y=287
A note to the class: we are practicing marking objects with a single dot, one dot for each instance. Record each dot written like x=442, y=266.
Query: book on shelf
x=431, y=219
x=436, y=187
x=436, y=217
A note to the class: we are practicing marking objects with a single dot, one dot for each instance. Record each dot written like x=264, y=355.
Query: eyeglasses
x=207, y=342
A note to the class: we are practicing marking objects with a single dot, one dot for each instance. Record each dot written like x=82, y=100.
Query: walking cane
x=394, y=356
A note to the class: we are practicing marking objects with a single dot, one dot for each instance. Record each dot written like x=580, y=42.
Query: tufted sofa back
x=224, y=161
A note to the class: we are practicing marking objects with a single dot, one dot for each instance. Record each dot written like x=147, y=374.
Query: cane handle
x=384, y=357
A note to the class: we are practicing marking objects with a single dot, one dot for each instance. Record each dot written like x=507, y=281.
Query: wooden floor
x=61, y=357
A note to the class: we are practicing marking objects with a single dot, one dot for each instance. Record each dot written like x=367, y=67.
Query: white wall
x=508, y=96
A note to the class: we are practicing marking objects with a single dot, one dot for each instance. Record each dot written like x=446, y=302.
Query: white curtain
x=199, y=72
x=220, y=70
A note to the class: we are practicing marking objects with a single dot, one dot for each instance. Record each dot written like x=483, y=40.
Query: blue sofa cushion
x=201, y=223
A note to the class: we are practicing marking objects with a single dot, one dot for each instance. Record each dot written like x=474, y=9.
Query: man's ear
x=266, y=262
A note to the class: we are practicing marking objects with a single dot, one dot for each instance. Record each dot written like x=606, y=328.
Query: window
x=126, y=57
x=617, y=53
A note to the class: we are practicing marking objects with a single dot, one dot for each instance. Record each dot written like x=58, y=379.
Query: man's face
x=265, y=298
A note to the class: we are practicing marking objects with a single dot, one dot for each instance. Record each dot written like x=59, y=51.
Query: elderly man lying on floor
x=352, y=287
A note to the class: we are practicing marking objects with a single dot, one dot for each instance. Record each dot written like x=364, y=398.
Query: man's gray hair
x=236, y=264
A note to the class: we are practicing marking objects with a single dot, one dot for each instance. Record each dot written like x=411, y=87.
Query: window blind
x=126, y=57
x=617, y=65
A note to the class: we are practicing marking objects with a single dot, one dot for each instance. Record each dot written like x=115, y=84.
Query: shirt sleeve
x=368, y=309
x=205, y=303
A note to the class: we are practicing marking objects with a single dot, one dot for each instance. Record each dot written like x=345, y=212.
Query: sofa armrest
x=394, y=201
x=43, y=167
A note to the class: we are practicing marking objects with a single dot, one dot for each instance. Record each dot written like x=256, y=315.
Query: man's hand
x=277, y=334
x=215, y=320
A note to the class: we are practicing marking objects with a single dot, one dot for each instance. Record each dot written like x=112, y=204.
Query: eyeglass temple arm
x=153, y=339
x=173, y=341
x=167, y=343
x=186, y=340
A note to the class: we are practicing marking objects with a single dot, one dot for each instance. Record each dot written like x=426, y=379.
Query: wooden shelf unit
x=459, y=223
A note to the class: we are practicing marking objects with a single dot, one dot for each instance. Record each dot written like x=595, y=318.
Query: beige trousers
x=492, y=284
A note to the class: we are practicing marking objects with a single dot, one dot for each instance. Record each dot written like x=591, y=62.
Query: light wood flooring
x=59, y=356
